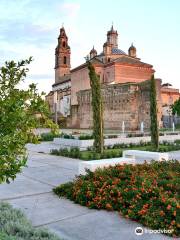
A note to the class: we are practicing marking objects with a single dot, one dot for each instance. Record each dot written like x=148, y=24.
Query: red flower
x=168, y=207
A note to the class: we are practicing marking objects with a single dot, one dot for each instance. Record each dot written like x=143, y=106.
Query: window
x=64, y=59
x=56, y=60
x=64, y=44
x=109, y=59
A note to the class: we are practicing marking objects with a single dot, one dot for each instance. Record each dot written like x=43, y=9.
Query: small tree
x=176, y=107
x=18, y=118
x=97, y=109
x=153, y=114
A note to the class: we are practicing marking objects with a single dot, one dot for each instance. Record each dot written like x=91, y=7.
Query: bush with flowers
x=147, y=193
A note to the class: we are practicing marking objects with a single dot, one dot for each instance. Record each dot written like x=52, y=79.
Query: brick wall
x=122, y=102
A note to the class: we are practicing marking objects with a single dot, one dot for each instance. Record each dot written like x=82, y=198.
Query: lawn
x=146, y=193
x=15, y=226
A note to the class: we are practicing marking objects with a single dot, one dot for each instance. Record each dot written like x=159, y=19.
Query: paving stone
x=101, y=225
x=22, y=186
x=47, y=208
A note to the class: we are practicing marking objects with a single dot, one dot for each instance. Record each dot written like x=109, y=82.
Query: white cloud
x=70, y=10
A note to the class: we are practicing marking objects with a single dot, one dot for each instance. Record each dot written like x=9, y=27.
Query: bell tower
x=112, y=37
x=62, y=56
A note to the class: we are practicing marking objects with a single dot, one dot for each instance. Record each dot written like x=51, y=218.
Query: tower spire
x=112, y=27
x=62, y=56
x=112, y=37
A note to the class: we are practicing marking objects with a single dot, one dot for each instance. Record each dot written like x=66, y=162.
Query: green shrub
x=4, y=236
x=135, y=135
x=64, y=152
x=177, y=126
x=55, y=152
x=86, y=137
x=112, y=136
x=147, y=193
x=48, y=136
x=67, y=136
x=177, y=141
x=172, y=133
x=72, y=152
x=15, y=226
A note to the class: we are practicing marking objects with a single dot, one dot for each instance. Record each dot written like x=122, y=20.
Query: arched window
x=65, y=60
x=109, y=59
x=64, y=44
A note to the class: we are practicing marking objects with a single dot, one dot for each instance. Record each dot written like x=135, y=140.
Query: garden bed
x=146, y=193
x=113, y=151
x=86, y=143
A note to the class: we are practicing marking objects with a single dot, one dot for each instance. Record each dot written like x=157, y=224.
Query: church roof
x=94, y=60
x=117, y=51
x=130, y=60
x=63, y=79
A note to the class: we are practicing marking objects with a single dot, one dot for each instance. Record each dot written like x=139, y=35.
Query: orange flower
x=173, y=222
x=116, y=181
x=108, y=206
x=142, y=212
x=168, y=207
x=162, y=213
x=174, y=213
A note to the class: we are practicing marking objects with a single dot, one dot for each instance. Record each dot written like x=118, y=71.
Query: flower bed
x=15, y=226
x=147, y=193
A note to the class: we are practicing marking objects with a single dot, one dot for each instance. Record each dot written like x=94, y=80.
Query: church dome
x=132, y=51
x=93, y=51
x=117, y=51
x=132, y=47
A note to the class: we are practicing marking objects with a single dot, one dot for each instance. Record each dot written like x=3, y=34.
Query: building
x=124, y=86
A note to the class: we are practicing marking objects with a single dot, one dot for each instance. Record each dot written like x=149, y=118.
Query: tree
x=176, y=107
x=153, y=114
x=97, y=109
x=18, y=117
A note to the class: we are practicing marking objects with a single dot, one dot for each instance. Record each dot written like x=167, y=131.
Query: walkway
x=32, y=192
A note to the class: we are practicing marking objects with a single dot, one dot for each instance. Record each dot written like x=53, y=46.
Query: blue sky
x=31, y=27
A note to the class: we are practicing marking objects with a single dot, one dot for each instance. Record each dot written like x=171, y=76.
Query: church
x=125, y=86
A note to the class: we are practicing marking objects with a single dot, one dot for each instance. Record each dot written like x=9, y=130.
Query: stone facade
x=121, y=102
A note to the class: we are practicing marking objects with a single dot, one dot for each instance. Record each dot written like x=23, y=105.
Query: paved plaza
x=32, y=192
